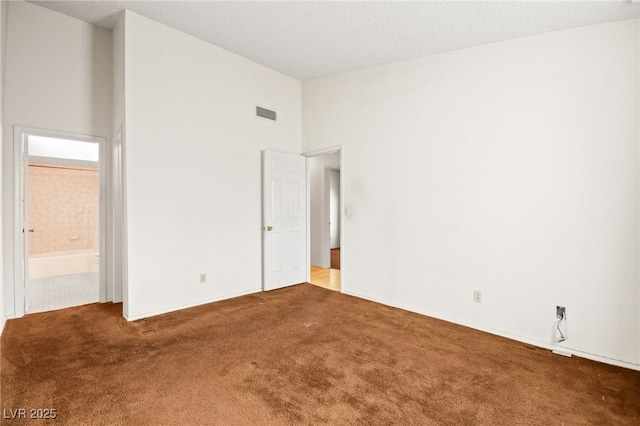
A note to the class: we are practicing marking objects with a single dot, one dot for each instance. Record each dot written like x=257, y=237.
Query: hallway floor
x=325, y=278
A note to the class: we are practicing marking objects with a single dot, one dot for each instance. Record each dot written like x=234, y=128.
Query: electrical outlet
x=477, y=296
x=203, y=278
x=560, y=312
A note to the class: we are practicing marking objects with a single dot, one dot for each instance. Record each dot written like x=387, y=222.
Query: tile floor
x=64, y=291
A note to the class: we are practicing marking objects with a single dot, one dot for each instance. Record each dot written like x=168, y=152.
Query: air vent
x=265, y=113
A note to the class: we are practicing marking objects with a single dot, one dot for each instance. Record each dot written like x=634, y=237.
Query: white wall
x=319, y=209
x=118, y=41
x=118, y=208
x=3, y=48
x=58, y=77
x=510, y=168
x=193, y=150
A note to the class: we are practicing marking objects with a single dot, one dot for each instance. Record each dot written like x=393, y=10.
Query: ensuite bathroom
x=62, y=208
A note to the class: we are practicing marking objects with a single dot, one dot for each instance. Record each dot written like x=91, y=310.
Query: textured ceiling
x=311, y=39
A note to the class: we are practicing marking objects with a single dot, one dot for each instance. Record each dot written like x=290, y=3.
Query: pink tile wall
x=63, y=209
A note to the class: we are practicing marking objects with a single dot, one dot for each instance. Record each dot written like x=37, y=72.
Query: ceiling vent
x=265, y=113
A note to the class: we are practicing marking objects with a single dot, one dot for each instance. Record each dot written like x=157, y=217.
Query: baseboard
x=322, y=267
x=539, y=343
x=562, y=352
x=189, y=305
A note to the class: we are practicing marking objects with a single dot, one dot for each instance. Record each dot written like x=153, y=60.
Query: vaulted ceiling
x=311, y=39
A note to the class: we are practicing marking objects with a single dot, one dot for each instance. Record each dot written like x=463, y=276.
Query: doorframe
x=118, y=252
x=327, y=176
x=317, y=153
x=20, y=135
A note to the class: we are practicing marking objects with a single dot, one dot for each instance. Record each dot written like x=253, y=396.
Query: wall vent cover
x=265, y=113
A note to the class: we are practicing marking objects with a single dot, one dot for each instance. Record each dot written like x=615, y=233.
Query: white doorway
x=59, y=237
x=325, y=218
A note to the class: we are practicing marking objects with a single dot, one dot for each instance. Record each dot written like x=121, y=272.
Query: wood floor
x=326, y=278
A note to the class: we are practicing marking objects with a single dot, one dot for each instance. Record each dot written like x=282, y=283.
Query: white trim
x=24, y=157
x=18, y=282
x=324, y=151
x=19, y=135
x=308, y=221
x=57, y=134
x=125, y=227
x=118, y=217
x=343, y=209
x=191, y=305
x=102, y=217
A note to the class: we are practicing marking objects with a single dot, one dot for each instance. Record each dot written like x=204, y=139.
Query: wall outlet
x=561, y=311
x=477, y=296
x=203, y=278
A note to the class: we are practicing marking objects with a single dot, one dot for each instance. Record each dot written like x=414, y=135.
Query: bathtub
x=45, y=265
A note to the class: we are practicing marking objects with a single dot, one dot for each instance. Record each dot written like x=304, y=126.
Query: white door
x=25, y=224
x=284, y=214
x=334, y=208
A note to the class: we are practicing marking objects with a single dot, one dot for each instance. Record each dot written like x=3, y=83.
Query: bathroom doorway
x=62, y=205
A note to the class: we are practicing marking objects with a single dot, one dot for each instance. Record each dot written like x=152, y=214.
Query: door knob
x=269, y=228
x=30, y=230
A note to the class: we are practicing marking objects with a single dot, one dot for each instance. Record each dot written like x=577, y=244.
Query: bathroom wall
x=63, y=209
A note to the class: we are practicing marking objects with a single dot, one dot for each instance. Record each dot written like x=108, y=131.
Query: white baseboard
x=553, y=347
x=189, y=305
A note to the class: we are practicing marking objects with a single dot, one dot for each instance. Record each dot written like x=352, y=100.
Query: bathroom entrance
x=61, y=214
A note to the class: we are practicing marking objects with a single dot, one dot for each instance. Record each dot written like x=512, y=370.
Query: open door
x=284, y=214
x=25, y=224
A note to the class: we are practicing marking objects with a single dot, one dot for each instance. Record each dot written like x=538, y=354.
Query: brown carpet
x=300, y=355
x=335, y=258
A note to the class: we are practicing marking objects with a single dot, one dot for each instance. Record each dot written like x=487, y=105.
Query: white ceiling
x=306, y=40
